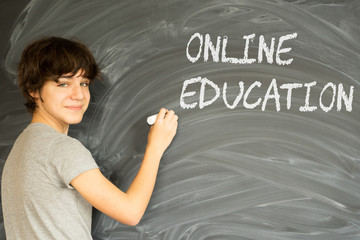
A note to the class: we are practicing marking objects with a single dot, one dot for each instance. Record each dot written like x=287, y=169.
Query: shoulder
x=66, y=145
x=69, y=158
x=70, y=142
x=56, y=146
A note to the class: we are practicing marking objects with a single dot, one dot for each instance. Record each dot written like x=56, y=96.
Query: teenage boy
x=50, y=181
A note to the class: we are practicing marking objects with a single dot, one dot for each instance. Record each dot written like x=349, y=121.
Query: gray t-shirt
x=37, y=198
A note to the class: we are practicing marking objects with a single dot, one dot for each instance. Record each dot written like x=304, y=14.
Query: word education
x=339, y=96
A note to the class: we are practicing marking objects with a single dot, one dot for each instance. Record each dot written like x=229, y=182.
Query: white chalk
x=151, y=119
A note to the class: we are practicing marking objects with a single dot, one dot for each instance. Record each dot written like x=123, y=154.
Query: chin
x=74, y=121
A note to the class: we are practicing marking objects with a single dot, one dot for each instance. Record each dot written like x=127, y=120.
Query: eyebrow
x=70, y=76
x=66, y=76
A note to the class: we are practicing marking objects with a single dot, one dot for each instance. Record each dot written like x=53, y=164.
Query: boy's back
x=36, y=194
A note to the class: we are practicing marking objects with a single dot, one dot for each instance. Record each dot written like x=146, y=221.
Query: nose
x=77, y=93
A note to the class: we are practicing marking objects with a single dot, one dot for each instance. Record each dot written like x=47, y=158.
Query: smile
x=74, y=108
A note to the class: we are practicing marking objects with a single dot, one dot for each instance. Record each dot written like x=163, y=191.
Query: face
x=64, y=102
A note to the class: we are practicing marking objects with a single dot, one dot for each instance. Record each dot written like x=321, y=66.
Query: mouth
x=74, y=108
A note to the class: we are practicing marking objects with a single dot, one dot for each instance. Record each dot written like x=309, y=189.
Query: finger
x=170, y=114
x=175, y=117
x=161, y=114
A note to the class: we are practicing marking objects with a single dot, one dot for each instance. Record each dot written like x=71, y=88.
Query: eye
x=84, y=84
x=63, y=85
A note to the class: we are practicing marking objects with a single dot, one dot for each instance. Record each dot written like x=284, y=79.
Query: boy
x=50, y=181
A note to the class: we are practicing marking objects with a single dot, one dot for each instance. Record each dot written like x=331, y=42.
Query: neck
x=61, y=128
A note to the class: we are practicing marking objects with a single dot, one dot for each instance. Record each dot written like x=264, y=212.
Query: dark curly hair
x=49, y=58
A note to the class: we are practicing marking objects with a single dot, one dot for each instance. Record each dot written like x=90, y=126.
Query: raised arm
x=129, y=207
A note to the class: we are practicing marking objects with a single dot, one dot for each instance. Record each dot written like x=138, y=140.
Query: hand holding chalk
x=163, y=129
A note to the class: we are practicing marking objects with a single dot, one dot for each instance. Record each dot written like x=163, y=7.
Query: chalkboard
x=267, y=94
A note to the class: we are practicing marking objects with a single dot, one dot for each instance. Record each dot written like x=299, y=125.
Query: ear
x=34, y=94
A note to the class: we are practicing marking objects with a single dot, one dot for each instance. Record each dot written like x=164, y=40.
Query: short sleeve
x=69, y=159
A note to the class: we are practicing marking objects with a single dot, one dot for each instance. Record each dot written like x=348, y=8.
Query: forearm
x=141, y=188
